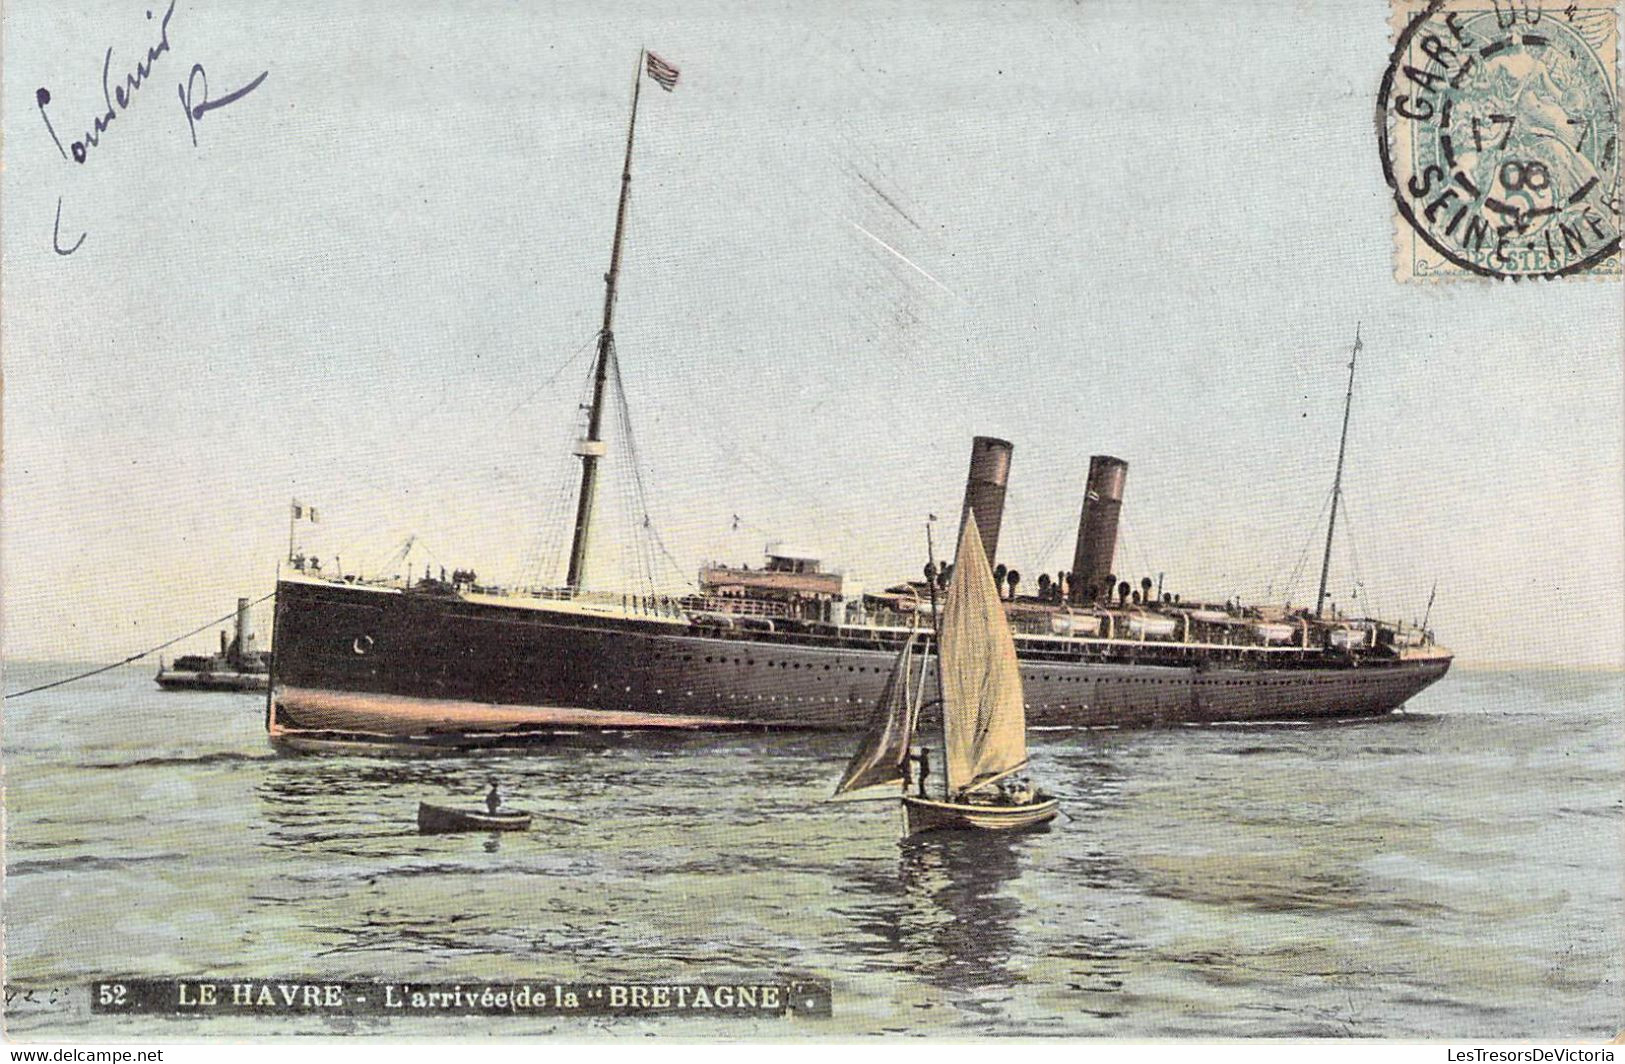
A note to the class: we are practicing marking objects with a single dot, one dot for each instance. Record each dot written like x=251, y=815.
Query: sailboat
x=984, y=725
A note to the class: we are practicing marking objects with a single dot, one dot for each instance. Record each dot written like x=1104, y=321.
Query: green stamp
x=1499, y=131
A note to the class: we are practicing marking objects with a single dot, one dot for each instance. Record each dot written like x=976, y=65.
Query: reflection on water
x=961, y=917
x=1455, y=872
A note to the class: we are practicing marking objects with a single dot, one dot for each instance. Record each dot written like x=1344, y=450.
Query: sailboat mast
x=1337, y=481
x=936, y=643
x=591, y=447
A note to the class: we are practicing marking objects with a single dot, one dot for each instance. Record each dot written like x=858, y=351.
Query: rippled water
x=1452, y=872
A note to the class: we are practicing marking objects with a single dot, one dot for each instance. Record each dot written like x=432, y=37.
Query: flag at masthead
x=662, y=71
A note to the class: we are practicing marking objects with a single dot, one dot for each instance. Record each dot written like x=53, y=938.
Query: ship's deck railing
x=736, y=606
x=882, y=627
x=1060, y=648
x=1310, y=635
x=628, y=605
x=650, y=605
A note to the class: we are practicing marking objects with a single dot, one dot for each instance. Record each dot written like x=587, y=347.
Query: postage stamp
x=1498, y=124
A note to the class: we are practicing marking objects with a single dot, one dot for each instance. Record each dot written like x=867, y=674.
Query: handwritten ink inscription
x=196, y=111
x=194, y=99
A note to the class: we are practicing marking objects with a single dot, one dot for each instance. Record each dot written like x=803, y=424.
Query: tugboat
x=237, y=667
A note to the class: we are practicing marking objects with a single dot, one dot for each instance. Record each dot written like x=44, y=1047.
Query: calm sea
x=1452, y=872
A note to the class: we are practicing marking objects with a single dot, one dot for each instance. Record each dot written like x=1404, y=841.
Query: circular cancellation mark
x=1498, y=124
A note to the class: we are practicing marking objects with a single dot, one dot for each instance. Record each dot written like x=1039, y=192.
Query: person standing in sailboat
x=924, y=760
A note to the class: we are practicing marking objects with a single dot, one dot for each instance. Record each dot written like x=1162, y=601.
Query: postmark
x=1498, y=126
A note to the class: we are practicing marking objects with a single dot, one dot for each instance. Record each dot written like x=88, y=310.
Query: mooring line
x=137, y=657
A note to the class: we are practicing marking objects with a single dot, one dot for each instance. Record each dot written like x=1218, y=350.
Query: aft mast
x=591, y=447
x=1337, y=481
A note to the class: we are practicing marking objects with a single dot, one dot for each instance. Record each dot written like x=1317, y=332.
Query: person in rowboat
x=493, y=799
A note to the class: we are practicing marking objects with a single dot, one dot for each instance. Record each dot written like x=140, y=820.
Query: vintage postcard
x=868, y=520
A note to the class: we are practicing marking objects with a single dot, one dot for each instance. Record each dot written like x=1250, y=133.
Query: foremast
x=591, y=446
x=1337, y=480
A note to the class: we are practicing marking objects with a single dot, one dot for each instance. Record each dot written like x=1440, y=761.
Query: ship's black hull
x=355, y=663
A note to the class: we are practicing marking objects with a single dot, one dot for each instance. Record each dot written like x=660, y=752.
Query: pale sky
x=1138, y=228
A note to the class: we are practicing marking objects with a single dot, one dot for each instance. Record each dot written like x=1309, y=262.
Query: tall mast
x=936, y=643
x=591, y=447
x=1337, y=481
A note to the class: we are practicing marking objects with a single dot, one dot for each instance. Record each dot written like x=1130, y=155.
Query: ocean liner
x=787, y=645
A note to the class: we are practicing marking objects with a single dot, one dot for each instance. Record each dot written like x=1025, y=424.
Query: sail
x=984, y=718
x=879, y=759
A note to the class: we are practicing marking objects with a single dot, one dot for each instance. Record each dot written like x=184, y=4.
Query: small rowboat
x=438, y=820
